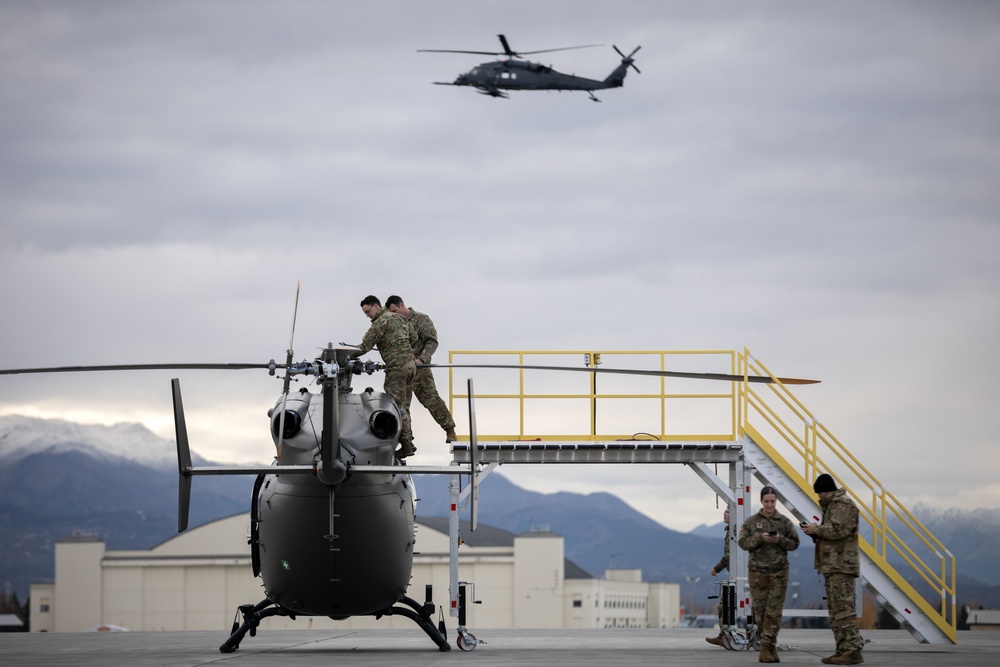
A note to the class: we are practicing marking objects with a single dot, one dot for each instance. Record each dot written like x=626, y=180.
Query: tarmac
x=412, y=648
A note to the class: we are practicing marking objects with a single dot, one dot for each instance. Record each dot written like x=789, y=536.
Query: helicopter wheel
x=466, y=641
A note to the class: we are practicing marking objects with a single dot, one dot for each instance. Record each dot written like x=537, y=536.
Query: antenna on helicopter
x=288, y=365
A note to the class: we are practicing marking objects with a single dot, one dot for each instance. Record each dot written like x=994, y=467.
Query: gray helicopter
x=511, y=73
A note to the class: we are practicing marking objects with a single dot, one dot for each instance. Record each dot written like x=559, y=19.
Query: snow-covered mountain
x=21, y=437
x=120, y=483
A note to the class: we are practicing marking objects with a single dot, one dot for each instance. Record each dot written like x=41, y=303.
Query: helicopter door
x=255, y=527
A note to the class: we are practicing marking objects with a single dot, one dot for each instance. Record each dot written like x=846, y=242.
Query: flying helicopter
x=513, y=73
x=332, y=519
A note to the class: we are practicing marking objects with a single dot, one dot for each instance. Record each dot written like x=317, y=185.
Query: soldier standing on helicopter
x=391, y=335
x=423, y=339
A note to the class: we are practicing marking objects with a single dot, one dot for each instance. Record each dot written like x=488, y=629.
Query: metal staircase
x=779, y=441
x=903, y=564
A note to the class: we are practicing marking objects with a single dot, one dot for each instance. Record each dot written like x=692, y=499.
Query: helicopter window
x=508, y=75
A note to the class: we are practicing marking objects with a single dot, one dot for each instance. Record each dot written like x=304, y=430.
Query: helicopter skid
x=253, y=614
x=420, y=614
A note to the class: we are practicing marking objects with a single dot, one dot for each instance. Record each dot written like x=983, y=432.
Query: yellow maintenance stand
x=758, y=431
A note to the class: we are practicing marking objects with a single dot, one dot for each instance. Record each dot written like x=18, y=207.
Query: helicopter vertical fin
x=288, y=365
x=473, y=462
x=183, y=459
x=332, y=470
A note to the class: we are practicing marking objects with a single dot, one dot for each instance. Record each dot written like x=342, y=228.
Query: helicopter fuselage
x=359, y=562
x=493, y=77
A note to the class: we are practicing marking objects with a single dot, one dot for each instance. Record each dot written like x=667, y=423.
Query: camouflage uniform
x=719, y=567
x=838, y=559
x=423, y=340
x=391, y=335
x=768, y=569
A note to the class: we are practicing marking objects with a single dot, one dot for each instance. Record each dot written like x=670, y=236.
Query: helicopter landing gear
x=422, y=615
x=253, y=614
x=593, y=98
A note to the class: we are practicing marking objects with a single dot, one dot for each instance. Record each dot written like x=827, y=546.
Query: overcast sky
x=817, y=182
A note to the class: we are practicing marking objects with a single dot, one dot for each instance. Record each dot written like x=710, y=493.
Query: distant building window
x=44, y=608
x=577, y=604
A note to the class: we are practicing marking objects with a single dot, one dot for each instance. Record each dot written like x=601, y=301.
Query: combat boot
x=450, y=435
x=774, y=653
x=715, y=640
x=765, y=653
x=852, y=658
x=405, y=449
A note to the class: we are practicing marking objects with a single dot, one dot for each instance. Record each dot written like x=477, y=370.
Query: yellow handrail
x=891, y=530
x=769, y=414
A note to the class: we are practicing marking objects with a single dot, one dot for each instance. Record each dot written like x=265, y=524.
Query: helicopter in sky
x=514, y=73
x=332, y=519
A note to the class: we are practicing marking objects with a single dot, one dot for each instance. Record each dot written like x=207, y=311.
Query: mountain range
x=120, y=483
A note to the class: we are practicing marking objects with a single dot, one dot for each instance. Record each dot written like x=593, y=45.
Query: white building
x=196, y=581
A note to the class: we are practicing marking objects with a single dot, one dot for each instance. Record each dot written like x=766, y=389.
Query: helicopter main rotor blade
x=763, y=379
x=135, y=367
x=482, y=53
x=564, y=48
x=506, y=46
x=183, y=459
x=287, y=381
x=509, y=52
x=473, y=462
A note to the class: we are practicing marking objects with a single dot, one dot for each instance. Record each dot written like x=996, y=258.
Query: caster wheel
x=466, y=644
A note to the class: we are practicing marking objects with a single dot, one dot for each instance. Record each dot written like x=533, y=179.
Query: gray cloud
x=814, y=182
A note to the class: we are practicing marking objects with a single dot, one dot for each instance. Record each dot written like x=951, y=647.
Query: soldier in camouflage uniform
x=768, y=536
x=719, y=567
x=838, y=559
x=423, y=339
x=391, y=335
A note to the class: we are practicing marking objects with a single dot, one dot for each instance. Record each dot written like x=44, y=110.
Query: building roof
x=10, y=621
x=482, y=536
x=491, y=536
x=984, y=617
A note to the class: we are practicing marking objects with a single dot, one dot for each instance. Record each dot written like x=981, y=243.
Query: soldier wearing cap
x=768, y=536
x=838, y=559
x=390, y=334
x=424, y=341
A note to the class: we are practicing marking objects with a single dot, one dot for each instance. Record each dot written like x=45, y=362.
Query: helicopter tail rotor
x=628, y=59
x=183, y=459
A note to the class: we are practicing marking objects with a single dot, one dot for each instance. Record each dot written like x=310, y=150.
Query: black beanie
x=824, y=483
